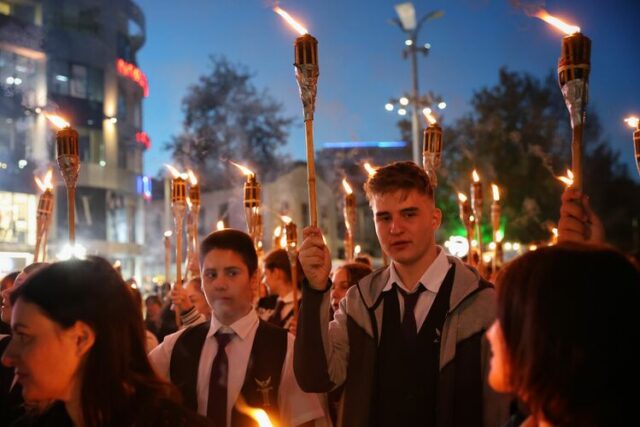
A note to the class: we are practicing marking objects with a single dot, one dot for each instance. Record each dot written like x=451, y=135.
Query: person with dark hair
x=150, y=341
x=79, y=342
x=566, y=336
x=153, y=320
x=344, y=277
x=408, y=340
x=236, y=360
x=11, y=402
x=363, y=259
x=277, y=275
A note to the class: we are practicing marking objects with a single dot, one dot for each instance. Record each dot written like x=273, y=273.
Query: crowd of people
x=424, y=341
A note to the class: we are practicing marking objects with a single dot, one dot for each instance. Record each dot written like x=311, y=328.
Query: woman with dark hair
x=566, y=334
x=79, y=342
x=345, y=277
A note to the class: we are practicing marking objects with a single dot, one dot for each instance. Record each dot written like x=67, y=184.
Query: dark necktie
x=217, y=403
x=409, y=328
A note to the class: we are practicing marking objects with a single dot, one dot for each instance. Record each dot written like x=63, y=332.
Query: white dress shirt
x=431, y=279
x=295, y=406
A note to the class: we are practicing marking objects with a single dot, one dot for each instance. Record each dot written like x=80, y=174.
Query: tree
x=518, y=136
x=227, y=118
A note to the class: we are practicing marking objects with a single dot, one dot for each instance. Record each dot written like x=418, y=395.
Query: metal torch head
x=636, y=145
x=178, y=191
x=45, y=203
x=194, y=195
x=350, y=211
x=465, y=212
x=307, y=72
x=252, y=192
x=432, y=151
x=291, y=233
x=575, y=58
x=476, y=198
x=68, y=155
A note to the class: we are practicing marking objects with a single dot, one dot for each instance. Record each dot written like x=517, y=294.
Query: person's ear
x=84, y=337
x=437, y=218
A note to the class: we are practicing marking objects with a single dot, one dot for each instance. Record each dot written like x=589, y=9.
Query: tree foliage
x=518, y=136
x=227, y=118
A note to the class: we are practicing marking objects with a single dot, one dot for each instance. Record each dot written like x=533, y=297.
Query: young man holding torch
x=235, y=364
x=408, y=341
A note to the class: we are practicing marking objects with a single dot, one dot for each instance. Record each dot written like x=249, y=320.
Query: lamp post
x=407, y=21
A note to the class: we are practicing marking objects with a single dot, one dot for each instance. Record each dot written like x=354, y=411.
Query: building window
x=19, y=10
x=17, y=218
x=91, y=145
x=76, y=80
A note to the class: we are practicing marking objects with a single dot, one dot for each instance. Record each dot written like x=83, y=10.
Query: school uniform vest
x=405, y=391
x=262, y=379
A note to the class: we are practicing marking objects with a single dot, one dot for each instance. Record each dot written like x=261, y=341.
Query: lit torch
x=371, y=171
x=634, y=122
x=432, y=148
x=69, y=165
x=179, y=208
x=568, y=179
x=573, y=75
x=252, y=192
x=307, y=72
x=476, y=206
x=468, y=220
x=291, y=233
x=43, y=218
x=192, y=225
x=349, y=219
x=496, y=212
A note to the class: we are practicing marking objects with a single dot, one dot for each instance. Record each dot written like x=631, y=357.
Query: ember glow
x=45, y=183
x=192, y=177
x=175, y=172
x=496, y=192
x=245, y=171
x=632, y=121
x=476, y=177
x=370, y=169
x=429, y=116
x=346, y=186
x=568, y=29
x=292, y=22
x=462, y=197
x=566, y=180
x=57, y=121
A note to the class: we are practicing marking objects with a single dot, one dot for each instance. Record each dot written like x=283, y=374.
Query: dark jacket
x=343, y=351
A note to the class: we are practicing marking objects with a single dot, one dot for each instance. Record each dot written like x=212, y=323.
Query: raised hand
x=315, y=258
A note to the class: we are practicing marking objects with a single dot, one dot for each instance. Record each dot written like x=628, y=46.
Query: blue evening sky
x=361, y=66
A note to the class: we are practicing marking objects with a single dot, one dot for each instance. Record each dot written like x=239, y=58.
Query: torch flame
x=632, y=121
x=430, y=117
x=278, y=231
x=175, y=172
x=220, y=225
x=346, y=186
x=559, y=24
x=554, y=231
x=192, y=177
x=168, y=233
x=476, y=177
x=462, y=197
x=57, y=121
x=45, y=184
x=568, y=179
x=245, y=171
x=370, y=169
x=286, y=219
x=496, y=192
x=295, y=24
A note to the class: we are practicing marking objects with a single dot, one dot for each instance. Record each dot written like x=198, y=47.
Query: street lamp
x=407, y=21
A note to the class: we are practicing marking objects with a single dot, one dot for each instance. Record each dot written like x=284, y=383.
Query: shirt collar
x=240, y=327
x=431, y=279
x=288, y=298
